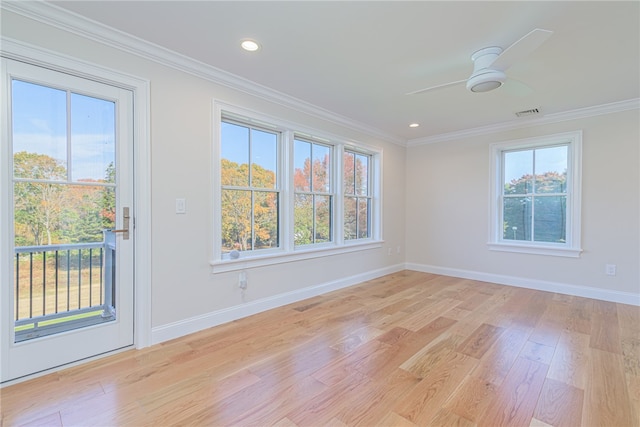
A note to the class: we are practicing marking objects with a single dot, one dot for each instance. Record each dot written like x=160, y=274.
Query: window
x=284, y=192
x=357, y=196
x=313, y=196
x=536, y=193
x=249, y=178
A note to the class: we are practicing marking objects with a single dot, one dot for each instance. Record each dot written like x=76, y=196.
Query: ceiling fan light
x=486, y=81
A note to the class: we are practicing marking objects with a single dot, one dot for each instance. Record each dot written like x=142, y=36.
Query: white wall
x=448, y=208
x=185, y=294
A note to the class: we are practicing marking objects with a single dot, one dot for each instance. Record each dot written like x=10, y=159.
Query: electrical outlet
x=389, y=251
x=610, y=269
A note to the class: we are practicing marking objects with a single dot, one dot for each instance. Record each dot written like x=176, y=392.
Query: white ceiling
x=358, y=59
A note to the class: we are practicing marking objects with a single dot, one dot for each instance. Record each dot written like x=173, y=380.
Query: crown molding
x=76, y=24
x=598, y=110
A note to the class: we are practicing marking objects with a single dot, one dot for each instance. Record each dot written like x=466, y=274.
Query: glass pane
x=58, y=281
x=38, y=212
x=87, y=211
x=301, y=166
x=264, y=151
x=39, y=131
x=363, y=218
x=350, y=218
x=93, y=140
x=47, y=214
x=265, y=211
x=551, y=169
x=550, y=224
x=323, y=219
x=321, y=168
x=236, y=220
x=303, y=219
x=362, y=175
x=234, y=147
x=517, y=218
x=349, y=160
x=518, y=172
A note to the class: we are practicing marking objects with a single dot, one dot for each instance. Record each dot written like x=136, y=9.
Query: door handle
x=125, y=224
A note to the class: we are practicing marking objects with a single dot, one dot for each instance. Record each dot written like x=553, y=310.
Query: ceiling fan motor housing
x=485, y=78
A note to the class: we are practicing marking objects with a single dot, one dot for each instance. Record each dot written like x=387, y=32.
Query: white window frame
x=249, y=187
x=287, y=251
x=572, y=246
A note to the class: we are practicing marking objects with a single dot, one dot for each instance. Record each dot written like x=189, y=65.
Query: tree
x=48, y=212
x=312, y=212
x=38, y=205
x=356, y=202
x=242, y=219
x=548, y=212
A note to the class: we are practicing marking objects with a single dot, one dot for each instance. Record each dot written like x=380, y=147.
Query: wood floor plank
x=631, y=355
x=326, y=405
x=368, y=407
x=391, y=419
x=633, y=386
x=445, y=418
x=384, y=363
x=517, y=397
x=537, y=352
x=472, y=398
x=570, y=362
x=432, y=355
x=605, y=332
x=406, y=349
x=559, y=404
x=607, y=400
x=477, y=344
x=424, y=402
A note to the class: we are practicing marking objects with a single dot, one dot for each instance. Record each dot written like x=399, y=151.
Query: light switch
x=181, y=206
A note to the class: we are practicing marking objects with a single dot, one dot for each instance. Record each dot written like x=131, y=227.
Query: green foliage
x=312, y=212
x=533, y=200
x=51, y=210
x=248, y=225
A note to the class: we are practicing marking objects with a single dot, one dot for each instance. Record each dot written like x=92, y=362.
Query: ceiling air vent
x=526, y=113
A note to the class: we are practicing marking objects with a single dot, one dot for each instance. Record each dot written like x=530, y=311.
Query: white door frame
x=13, y=49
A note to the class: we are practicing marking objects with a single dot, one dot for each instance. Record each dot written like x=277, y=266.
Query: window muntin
x=321, y=189
x=312, y=183
x=249, y=195
x=536, y=194
x=357, y=195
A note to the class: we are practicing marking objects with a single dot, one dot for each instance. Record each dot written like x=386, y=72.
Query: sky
x=40, y=125
x=519, y=163
x=235, y=146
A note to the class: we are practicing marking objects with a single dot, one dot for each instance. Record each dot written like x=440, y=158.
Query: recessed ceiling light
x=250, y=45
x=414, y=125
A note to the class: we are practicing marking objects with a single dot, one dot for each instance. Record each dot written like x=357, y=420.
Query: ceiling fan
x=490, y=63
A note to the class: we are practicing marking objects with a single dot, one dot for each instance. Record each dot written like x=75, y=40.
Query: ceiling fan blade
x=521, y=49
x=417, y=92
x=515, y=87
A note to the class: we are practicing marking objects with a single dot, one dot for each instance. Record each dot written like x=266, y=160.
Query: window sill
x=535, y=249
x=221, y=266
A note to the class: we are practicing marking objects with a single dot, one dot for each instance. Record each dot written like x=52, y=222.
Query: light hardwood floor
x=405, y=349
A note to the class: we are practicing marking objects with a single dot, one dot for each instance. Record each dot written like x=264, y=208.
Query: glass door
x=68, y=285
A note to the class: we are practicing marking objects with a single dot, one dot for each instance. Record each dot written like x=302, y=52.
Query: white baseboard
x=194, y=324
x=540, y=285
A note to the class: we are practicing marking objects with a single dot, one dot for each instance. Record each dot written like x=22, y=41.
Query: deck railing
x=62, y=287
